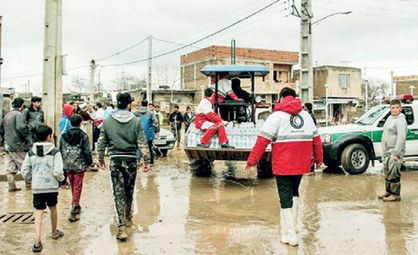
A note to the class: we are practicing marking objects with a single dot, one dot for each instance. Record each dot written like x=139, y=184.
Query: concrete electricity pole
x=92, y=85
x=52, y=74
x=1, y=62
x=58, y=68
x=392, y=86
x=233, y=52
x=149, y=85
x=306, y=72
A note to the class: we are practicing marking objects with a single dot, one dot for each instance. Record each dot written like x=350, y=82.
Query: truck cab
x=353, y=146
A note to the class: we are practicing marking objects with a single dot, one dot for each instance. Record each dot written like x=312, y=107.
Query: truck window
x=407, y=111
x=371, y=116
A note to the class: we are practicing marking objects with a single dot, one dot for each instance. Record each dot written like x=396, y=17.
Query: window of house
x=283, y=76
x=275, y=76
x=344, y=80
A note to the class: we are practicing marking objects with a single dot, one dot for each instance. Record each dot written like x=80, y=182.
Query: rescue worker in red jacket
x=209, y=122
x=294, y=137
x=224, y=89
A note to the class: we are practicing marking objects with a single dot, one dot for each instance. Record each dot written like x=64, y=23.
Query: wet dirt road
x=176, y=213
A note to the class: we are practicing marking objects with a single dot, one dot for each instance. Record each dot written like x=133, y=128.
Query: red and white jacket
x=205, y=115
x=294, y=137
x=224, y=89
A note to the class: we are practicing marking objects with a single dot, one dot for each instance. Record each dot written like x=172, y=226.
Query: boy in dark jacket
x=188, y=118
x=34, y=116
x=76, y=154
x=176, y=118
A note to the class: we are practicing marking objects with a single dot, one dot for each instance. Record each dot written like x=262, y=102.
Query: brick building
x=279, y=63
x=404, y=83
x=344, y=91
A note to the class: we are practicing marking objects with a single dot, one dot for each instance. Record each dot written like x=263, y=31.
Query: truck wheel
x=164, y=152
x=355, y=159
x=264, y=169
x=201, y=167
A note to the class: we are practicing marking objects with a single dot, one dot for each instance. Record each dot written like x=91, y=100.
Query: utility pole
x=392, y=86
x=366, y=83
x=149, y=85
x=306, y=73
x=58, y=67
x=99, y=82
x=52, y=74
x=233, y=52
x=1, y=62
x=92, y=85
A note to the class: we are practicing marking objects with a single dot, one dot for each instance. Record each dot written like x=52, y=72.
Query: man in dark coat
x=16, y=143
x=34, y=116
x=176, y=118
x=188, y=118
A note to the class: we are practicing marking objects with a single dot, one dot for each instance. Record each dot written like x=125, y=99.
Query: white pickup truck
x=354, y=145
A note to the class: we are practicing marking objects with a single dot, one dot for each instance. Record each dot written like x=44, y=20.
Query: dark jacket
x=123, y=134
x=15, y=134
x=188, y=120
x=173, y=117
x=75, y=150
x=236, y=88
x=33, y=118
x=149, y=122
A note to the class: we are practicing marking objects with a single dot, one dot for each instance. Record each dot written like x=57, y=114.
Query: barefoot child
x=76, y=154
x=43, y=168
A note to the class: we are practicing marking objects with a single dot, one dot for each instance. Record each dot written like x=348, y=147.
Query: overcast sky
x=380, y=35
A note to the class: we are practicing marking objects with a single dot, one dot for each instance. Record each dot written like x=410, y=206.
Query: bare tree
x=128, y=82
x=79, y=83
x=165, y=75
x=376, y=88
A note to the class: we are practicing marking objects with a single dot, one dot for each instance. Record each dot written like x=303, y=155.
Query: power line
x=367, y=14
x=199, y=40
x=368, y=7
x=40, y=74
x=176, y=43
x=119, y=52
x=218, y=21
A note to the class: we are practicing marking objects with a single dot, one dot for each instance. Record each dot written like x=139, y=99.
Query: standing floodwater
x=175, y=213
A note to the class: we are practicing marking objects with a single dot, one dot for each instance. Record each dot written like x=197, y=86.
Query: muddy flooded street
x=177, y=213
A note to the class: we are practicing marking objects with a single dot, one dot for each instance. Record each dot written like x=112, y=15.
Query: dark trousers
x=288, y=187
x=392, y=173
x=96, y=134
x=123, y=175
x=177, y=134
x=151, y=151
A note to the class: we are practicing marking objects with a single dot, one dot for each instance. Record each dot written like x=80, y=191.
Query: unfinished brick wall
x=242, y=53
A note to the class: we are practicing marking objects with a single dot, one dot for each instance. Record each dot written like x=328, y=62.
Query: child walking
x=76, y=154
x=43, y=168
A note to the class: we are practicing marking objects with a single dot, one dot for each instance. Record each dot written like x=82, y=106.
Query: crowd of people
x=128, y=137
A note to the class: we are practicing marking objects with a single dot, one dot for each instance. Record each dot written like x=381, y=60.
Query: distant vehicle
x=165, y=141
x=241, y=113
x=354, y=145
